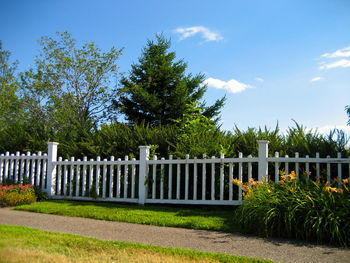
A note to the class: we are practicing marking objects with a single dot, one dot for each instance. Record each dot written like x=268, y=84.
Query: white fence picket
x=91, y=175
x=240, y=176
x=118, y=178
x=104, y=178
x=27, y=166
x=339, y=170
x=230, y=179
x=16, y=165
x=307, y=167
x=204, y=178
x=162, y=179
x=250, y=170
x=195, y=177
x=11, y=175
x=133, y=182
x=328, y=170
x=286, y=165
x=83, y=177
x=277, y=166
x=170, y=182
x=297, y=166
x=178, y=182
x=111, y=182
x=222, y=157
x=77, y=177
x=37, y=172
x=65, y=179
x=213, y=179
x=97, y=179
x=6, y=166
x=71, y=176
x=58, y=185
x=154, y=178
x=126, y=172
x=186, y=176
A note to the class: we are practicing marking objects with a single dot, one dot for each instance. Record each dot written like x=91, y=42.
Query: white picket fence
x=29, y=168
x=205, y=181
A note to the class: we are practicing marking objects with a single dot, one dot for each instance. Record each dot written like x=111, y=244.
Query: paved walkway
x=274, y=249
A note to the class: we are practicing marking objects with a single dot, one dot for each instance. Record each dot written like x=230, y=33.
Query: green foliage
x=40, y=195
x=10, y=106
x=347, y=109
x=297, y=209
x=119, y=139
x=92, y=192
x=14, y=199
x=190, y=131
x=296, y=139
x=69, y=88
x=13, y=195
x=158, y=91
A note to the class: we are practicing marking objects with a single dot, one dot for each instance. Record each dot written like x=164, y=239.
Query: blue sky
x=274, y=60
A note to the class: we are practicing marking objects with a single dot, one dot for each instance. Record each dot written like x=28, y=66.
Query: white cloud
x=232, y=85
x=327, y=128
x=344, y=63
x=206, y=33
x=345, y=52
x=259, y=79
x=339, y=63
x=315, y=79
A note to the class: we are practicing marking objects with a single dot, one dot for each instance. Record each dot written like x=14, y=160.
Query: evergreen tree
x=158, y=91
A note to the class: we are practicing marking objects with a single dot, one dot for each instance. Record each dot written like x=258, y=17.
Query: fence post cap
x=52, y=143
x=263, y=141
x=144, y=146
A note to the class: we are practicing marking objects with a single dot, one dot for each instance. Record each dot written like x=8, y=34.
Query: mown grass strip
x=22, y=244
x=218, y=220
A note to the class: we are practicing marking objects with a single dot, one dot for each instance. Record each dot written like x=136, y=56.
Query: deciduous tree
x=70, y=85
x=9, y=102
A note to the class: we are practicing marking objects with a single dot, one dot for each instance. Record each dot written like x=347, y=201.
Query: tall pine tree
x=157, y=90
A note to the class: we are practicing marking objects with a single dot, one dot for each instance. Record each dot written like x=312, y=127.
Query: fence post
x=144, y=154
x=51, y=171
x=263, y=164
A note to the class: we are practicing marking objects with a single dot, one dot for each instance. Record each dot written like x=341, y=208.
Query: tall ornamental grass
x=296, y=208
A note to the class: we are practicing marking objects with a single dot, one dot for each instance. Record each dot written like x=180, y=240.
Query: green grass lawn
x=22, y=244
x=194, y=218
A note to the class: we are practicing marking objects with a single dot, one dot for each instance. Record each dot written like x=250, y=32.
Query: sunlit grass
x=207, y=219
x=21, y=244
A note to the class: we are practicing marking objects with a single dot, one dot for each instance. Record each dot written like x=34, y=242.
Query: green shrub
x=293, y=208
x=13, y=195
x=40, y=195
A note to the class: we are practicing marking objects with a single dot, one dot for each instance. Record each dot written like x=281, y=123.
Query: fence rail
x=205, y=181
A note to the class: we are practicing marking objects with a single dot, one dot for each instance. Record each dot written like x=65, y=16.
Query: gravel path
x=274, y=249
